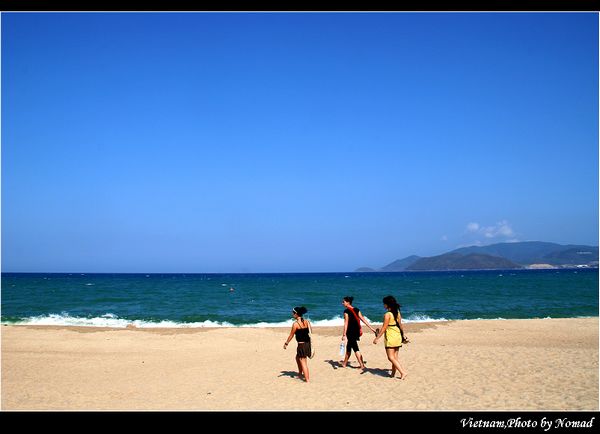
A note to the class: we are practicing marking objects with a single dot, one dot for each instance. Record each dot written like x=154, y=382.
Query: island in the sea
x=501, y=256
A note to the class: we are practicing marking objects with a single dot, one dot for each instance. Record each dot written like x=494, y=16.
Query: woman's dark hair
x=391, y=302
x=300, y=310
x=348, y=299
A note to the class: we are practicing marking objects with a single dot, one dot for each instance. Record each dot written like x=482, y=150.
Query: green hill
x=499, y=256
x=401, y=264
x=536, y=252
x=575, y=255
x=456, y=261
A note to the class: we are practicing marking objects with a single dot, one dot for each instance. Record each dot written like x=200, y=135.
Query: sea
x=266, y=300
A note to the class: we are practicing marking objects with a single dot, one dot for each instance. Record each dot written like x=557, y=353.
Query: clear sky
x=292, y=142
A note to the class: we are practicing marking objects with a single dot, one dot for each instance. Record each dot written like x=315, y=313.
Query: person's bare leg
x=346, y=357
x=360, y=359
x=390, y=355
x=403, y=372
x=393, y=358
x=304, y=364
x=299, y=367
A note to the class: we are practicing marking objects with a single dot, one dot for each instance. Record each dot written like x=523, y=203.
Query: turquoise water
x=197, y=300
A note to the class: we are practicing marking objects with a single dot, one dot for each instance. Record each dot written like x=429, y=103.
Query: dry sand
x=545, y=364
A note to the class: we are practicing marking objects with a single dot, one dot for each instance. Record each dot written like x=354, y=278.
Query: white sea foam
x=333, y=322
x=110, y=320
x=421, y=318
x=269, y=324
x=113, y=321
x=64, y=319
x=524, y=319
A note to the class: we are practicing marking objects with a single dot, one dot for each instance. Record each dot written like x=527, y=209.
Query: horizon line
x=301, y=272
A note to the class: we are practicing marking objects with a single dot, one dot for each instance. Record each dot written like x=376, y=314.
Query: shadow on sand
x=338, y=365
x=377, y=371
x=335, y=364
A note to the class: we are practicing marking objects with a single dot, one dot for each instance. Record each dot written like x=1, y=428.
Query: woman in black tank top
x=302, y=335
x=300, y=329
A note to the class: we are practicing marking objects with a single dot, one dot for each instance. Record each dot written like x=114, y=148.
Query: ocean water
x=266, y=300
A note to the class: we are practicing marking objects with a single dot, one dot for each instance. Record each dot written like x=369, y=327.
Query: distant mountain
x=575, y=255
x=397, y=265
x=457, y=261
x=401, y=264
x=534, y=254
x=365, y=270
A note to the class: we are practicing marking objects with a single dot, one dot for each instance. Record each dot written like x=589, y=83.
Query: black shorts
x=303, y=349
x=352, y=344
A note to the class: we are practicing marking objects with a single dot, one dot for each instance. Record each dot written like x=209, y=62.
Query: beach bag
x=357, y=320
x=312, y=347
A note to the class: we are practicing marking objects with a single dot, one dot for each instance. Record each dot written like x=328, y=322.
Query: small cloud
x=473, y=227
x=444, y=238
x=500, y=230
x=505, y=230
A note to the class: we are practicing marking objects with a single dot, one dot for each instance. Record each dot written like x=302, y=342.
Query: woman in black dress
x=300, y=329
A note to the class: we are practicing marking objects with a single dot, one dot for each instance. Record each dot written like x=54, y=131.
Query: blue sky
x=291, y=142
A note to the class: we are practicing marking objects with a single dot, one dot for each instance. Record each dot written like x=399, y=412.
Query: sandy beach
x=541, y=364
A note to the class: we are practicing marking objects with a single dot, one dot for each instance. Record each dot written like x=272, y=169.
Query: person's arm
x=360, y=315
x=289, y=338
x=386, y=321
x=345, y=325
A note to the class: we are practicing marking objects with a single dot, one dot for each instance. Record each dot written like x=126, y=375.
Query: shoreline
x=320, y=330
x=452, y=365
x=182, y=326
